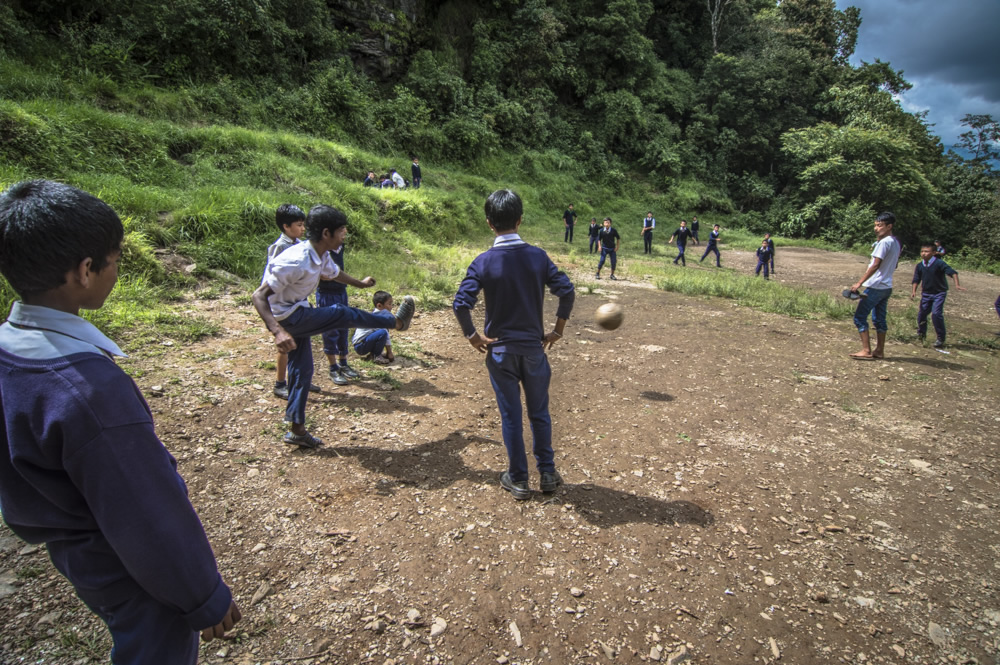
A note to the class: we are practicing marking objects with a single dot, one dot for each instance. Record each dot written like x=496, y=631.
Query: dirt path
x=738, y=490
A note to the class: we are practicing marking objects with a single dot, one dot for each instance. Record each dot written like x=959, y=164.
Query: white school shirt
x=886, y=249
x=398, y=179
x=293, y=275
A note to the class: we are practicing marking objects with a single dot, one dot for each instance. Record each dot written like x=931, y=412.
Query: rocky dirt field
x=738, y=491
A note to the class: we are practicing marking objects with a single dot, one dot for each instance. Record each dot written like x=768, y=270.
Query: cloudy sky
x=948, y=50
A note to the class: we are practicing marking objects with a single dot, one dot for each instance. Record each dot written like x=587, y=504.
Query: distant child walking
x=374, y=343
x=513, y=277
x=569, y=219
x=81, y=467
x=931, y=272
x=713, y=239
x=415, y=173
x=648, y=224
x=682, y=234
x=695, y=225
x=770, y=246
x=608, y=242
x=592, y=233
x=282, y=303
x=763, y=257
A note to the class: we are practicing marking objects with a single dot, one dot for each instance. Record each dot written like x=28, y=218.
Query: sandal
x=306, y=440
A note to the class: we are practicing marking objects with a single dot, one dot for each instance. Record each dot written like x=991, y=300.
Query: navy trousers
x=680, y=254
x=647, y=242
x=762, y=264
x=712, y=248
x=606, y=253
x=334, y=341
x=508, y=372
x=933, y=304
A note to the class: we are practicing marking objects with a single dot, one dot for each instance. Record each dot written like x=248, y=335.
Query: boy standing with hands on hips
x=513, y=276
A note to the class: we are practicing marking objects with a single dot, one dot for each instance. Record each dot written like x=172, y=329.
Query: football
x=610, y=315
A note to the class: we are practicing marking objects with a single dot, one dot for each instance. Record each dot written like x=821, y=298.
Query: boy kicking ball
x=282, y=303
x=513, y=276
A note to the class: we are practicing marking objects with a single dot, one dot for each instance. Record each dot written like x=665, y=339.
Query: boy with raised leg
x=81, y=467
x=282, y=303
x=513, y=277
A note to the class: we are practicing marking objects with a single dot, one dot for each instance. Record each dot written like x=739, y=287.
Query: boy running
x=713, y=239
x=681, y=235
x=931, y=272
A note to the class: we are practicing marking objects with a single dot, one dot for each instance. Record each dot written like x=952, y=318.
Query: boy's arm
x=915, y=281
x=141, y=507
x=876, y=262
x=282, y=339
x=344, y=278
x=465, y=300
x=951, y=272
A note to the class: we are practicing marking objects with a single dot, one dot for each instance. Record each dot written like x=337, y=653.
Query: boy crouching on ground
x=513, y=276
x=282, y=303
x=81, y=467
x=375, y=344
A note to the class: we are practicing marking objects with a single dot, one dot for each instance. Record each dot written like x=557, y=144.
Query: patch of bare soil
x=738, y=491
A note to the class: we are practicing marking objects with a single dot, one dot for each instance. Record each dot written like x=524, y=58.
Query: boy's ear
x=82, y=273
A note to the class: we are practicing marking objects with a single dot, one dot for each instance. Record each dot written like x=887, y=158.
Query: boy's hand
x=479, y=342
x=368, y=281
x=550, y=338
x=284, y=341
x=227, y=623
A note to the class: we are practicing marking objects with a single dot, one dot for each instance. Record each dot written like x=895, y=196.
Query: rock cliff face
x=386, y=32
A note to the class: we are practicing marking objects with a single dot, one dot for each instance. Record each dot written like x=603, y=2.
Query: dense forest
x=749, y=107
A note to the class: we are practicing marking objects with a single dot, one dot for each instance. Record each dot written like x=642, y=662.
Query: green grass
x=797, y=302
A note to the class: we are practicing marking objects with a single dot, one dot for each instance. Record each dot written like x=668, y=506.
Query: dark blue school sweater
x=82, y=470
x=513, y=278
x=934, y=277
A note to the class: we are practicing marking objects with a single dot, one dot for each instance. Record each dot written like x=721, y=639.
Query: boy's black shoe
x=613, y=277
x=938, y=343
x=313, y=388
x=348, y=371
x=281, y=391
x=597, y=275
x=519, y=490
x=404, y=313
x=921, y=337
x=551, y=481
x=337, y=378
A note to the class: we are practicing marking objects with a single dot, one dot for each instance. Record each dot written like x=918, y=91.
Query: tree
x=982, y=139
x=716, y=11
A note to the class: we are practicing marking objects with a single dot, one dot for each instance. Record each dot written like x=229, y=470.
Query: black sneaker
x=597, y=276
x=519, y=490
x=281, y=391
x=348, y=371
x=938, y=343
x=337, y=377
x=313, y=388
x=404, y=313
x=613, y=277
x=551, y=481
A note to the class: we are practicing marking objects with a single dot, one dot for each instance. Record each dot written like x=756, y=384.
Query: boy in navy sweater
x=681, y=235
x=513, y=276
x=763, y=257
x=931, y=273
x=81, y=467
x=713, y=239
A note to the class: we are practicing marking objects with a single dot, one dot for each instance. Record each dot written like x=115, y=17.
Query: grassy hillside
x=188, y=184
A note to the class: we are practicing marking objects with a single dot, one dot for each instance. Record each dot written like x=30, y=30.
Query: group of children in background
x=392, y=179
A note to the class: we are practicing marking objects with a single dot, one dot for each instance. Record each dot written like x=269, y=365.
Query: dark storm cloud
x=948, y=50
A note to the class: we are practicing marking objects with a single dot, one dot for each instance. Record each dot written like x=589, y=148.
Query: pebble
x=900, y=651
x=438, y=626
x=253, y=473
x=258, y=548
x=48, y=619
x=937, y=634
x=656, y=653
x=261, y=593
x=576, y=592
x=516, y=632
x=864, y=602
x=679, y=656
x=413, y=616
x=29, y=549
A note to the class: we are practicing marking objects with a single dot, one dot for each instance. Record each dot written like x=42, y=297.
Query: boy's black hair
x=607, y=219
x=381, y=297
x=503, y=209
x=323, y=217
x=886, y=218
x=928, y=245
x=593, y=219
x=47, y=228
x=287, y=215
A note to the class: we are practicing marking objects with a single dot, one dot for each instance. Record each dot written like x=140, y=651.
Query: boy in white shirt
x=282, y=303
x=877, y=281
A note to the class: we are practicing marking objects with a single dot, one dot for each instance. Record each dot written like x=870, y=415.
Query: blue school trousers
x=334, y=341
x=373, y=343
x=933, y=304
x=508, y=372
x=306, y=322
x=712, y=248
x=680, y=254
x=606, y=253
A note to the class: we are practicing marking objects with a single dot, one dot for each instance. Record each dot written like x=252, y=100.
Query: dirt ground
x=738, y=491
